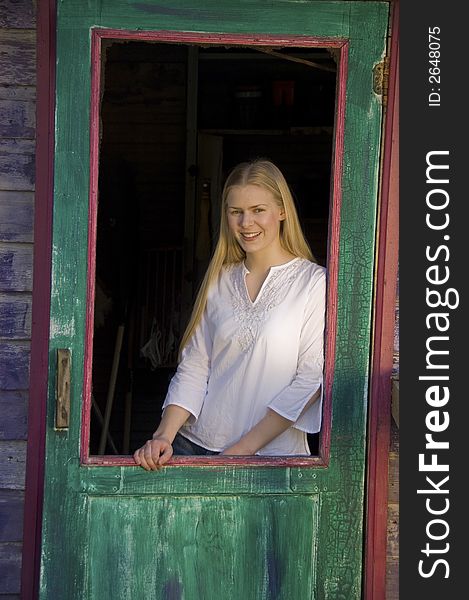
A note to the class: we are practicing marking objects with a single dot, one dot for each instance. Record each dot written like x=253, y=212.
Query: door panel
x=222, y=530
x=206, y=547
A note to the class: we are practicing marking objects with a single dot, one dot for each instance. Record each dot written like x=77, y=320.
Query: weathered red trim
x=382, y=362
x=333, y=250
x=95, y=105
x=333, y=253
x=45, y=46
x=214, y=461
x=223, y=39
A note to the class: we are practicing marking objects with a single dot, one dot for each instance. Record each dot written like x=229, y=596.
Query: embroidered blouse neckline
x=274, y=267
x=272, y=270
x=251, y=315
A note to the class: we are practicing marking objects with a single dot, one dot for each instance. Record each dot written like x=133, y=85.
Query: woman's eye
x=258, y=210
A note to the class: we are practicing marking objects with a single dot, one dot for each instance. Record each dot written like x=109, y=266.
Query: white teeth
x=250, y=235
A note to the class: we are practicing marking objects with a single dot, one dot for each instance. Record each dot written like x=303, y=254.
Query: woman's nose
x=246, y=219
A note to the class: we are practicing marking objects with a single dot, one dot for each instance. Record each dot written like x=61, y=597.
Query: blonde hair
x=266, y=175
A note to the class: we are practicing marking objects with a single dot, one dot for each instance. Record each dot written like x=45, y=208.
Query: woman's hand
x=154, y=454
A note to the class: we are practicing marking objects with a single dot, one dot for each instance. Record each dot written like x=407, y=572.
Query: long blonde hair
x=266, y=175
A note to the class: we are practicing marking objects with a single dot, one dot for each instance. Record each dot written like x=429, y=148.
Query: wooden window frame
x=97, y=37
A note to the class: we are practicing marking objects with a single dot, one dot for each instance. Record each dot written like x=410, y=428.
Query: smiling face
x=254, y=218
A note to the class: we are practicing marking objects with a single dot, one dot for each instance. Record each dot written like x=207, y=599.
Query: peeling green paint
x=204, y=532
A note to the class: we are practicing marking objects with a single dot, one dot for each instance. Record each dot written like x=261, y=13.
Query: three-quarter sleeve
x=188, y=387
x=291, y=401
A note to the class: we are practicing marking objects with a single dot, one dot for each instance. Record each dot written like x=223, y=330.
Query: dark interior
x=174, y=120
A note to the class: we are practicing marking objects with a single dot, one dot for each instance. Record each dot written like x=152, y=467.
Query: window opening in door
x=151, y=252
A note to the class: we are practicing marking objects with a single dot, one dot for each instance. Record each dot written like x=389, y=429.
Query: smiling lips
x=250, y=236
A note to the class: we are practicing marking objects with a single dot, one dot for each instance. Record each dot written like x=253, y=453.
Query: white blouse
x=246, y=357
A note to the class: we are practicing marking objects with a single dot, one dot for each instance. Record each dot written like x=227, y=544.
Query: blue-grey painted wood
x=12, y=459
x=16, y=216
x=14, y=366
x=17, y=161
x=14, y=415
x=10, y=568
x=11, y=515
x=15, y=92
x=15, y=316
x=17, y=119
x=17, y=165
x=16, y=267
x=18, y=14
x=18, y=57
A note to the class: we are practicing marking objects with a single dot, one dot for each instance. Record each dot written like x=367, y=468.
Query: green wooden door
x=205, y=532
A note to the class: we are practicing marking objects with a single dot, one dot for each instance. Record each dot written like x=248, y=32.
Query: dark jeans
x=184, y=447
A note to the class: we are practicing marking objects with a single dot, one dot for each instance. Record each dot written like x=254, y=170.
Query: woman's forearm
x=268, y=428
x=172, y=420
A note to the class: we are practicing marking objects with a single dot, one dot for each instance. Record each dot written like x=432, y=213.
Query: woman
x=249, y=379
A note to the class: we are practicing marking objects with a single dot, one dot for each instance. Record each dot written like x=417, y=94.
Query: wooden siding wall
x=17, y=133
x=392, y=551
